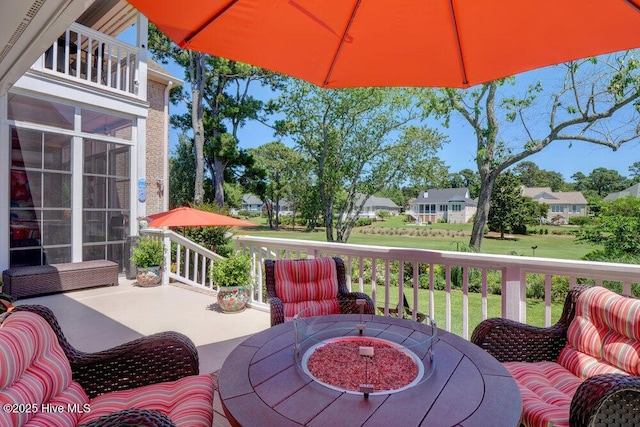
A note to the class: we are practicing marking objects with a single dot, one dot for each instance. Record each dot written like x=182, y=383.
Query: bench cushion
x=307, y=284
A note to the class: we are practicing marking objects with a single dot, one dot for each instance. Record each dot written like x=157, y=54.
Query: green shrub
x=148, y=252
x=361, y=222
x=235, y=270
x=580, y=220
x=536, y=287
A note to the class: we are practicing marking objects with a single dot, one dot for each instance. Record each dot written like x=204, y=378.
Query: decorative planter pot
x=233, y=299
x=149, y=276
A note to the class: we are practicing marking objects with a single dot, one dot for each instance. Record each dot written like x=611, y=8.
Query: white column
x=76, y=193
x=142, y=37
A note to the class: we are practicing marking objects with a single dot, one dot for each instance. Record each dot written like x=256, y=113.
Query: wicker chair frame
x=162, y=357
x=132, y=418
x=347, y=299
x=610, y=399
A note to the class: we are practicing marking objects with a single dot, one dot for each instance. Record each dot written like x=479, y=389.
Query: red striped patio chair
x=318, y=285
x=583, y=371
x=37, y=384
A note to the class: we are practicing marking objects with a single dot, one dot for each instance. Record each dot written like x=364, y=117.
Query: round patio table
x=260, y=384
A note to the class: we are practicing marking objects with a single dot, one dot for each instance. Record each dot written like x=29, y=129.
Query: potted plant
x=233, y=278
x=148, y=258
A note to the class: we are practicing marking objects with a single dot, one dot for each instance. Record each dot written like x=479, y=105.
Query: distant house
x=634, y=191
x=562, y=204
x=453, y=205
x=284, y=207
x=374, y=205
x=251, y=203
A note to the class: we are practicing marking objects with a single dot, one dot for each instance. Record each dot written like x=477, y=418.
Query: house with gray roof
x=373, y=205
x=634, y=191
x=251, y=203
x=562, y=204
x=453, y=205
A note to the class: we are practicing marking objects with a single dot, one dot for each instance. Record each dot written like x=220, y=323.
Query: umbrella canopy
x=440, y=43
x=190, y=217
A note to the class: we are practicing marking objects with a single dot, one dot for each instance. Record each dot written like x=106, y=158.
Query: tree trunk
x=197, y=84
x=218, y=182
x=328, y=223
x=484, y=199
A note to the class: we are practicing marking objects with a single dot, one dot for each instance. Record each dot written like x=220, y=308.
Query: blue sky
x=561, y=156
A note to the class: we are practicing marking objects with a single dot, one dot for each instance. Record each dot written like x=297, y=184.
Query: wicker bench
x=21, y=282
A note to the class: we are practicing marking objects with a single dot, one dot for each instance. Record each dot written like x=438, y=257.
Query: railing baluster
x=109, y=65
x=374, y=288
x=416, y=286
x=386, y=285
x=447, y=299
x=348, y=273
x=187, y=263
x=431, y=292
x=483, y=293
x=67, y=52
x=465, y=302
x=401, y=289
x=118, y=69
x=203, y=274
x=547, y=300
x=89, y=57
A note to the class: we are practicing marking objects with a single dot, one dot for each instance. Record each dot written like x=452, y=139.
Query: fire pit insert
x=360, y=355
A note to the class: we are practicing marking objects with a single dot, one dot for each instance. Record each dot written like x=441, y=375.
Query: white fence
x=374, y=263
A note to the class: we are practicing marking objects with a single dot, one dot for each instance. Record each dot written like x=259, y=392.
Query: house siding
x=451, y=205
x=156, y=151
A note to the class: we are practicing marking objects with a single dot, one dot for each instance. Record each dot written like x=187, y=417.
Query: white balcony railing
x=185, y=261
x=93, y=58
x=374, y=263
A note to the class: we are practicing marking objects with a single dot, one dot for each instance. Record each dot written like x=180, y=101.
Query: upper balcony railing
x=435, y=276
x=93, y=58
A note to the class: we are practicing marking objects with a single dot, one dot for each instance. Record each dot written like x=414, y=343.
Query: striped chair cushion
x=604, y=337
x=309, y=283
x=34, y=370
x=187, y=401
x=546, y=389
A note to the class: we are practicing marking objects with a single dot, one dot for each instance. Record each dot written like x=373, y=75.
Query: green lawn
x=444, y=237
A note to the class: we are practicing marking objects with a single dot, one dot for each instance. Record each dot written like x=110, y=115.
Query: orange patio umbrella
x=191, y=217
x=439, y=43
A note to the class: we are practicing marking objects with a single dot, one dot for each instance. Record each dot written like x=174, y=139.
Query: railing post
x=167, y=258
x=514, y=294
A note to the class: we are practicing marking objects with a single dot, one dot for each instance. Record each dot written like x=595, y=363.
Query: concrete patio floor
x=100, y=318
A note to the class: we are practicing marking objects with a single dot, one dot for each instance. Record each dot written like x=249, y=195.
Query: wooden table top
x=260, y=384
